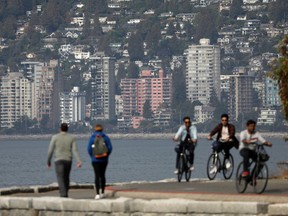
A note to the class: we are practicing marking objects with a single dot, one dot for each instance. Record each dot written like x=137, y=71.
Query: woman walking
x=99, y=148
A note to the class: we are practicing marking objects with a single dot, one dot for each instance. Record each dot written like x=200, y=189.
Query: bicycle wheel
x=180, y=168
x=260, y=178
x=187, y=171
x=241, y=182
x=212, y=166
x=228, y=167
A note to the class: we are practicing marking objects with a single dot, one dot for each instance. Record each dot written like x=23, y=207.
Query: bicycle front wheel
x=228, y=167
x=241, y=182
x=260, y=178
x=212, y=166
x=180, y=168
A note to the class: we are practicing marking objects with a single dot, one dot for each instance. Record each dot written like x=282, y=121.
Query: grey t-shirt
x=63, y=144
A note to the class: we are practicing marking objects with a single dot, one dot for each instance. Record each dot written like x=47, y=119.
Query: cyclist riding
x=248, y=141
x=225, y=137
x=187, y=135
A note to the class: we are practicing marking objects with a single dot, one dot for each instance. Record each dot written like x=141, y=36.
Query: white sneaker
x=97, y=197
x=228, y=164
x=102, y=195
x=192, y=168
x=213, y=170
x=176, y=172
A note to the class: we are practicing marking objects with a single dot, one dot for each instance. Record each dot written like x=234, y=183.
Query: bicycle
x=258, y=178
x=184, y=164
x=215, y=165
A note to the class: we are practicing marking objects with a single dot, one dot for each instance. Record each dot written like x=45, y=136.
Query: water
x=23, y=163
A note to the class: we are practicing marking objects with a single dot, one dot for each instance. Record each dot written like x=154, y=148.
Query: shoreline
x=126, y=136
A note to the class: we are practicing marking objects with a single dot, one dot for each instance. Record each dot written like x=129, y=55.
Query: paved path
x=276, y=191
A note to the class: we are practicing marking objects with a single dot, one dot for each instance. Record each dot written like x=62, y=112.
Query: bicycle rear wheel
x=241, y=182
x=212, y=166
x=228, y=167
x=260, y=178
x=180, y=168
x=187, y=171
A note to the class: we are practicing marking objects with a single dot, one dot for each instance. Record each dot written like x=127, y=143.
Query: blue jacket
x=108, y=144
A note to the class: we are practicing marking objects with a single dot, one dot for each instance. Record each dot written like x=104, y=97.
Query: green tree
x=121, y=74
x=147, y=113
x=104, y=45
x=135, y=47
x=178, y=85
x=278, y=11
x=280, y=74
x=152, y=39
x=8, y=27
x=133, y=70
x=236, y=9
x=206, y=24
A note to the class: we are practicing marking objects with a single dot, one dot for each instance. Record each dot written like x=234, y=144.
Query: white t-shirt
x=255, y=137
x=224, y=133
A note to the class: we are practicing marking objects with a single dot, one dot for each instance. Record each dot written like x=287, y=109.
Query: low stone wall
x=56, y=206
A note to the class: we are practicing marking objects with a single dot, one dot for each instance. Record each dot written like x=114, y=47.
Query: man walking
x=63, y=144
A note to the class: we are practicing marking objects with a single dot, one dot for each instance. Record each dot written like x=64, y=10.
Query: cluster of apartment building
x=36, y=90
x=242, y=88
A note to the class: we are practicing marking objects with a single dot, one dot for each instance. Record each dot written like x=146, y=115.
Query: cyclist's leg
x=253, y=156
x=245, y=153
x=227, y=147
x=178, y=150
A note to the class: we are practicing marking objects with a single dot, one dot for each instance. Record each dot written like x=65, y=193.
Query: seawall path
x=163, y=198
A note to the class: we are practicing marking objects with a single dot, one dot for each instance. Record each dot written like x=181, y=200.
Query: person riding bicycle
x=248, y=141
x=225, y=139
x=187, y=135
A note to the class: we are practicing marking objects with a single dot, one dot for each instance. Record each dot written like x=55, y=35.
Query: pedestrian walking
x=64, y=145
x=99, y=148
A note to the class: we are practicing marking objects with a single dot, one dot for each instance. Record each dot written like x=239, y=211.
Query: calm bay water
x=23, y=163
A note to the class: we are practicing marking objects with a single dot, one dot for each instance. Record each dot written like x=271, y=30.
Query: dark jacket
x=231, y=131
x=90, y=151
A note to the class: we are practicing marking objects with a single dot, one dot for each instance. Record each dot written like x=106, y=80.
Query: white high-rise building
x=72, y=106
x=203, y=71
x=15, y=97
x=103, y=87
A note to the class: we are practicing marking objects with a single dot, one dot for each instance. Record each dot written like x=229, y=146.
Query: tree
x=178, y=85
x=278, y=11
x=147, y=113
x=133, y=70
x=8, y=27
x=236, y=9
x=121, y=74
x=206, y=24
x=153, y=37
x=280, y=74
x=135, y=47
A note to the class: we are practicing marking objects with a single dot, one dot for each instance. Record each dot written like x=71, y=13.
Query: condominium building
x=203, y=71
x=16, y=98
x=151, y=86
x=103, y=86
x=267, y=116
x=43, y=76
x=72, y=106
x=240, y=98
x=47, y=96
x=271, y=93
